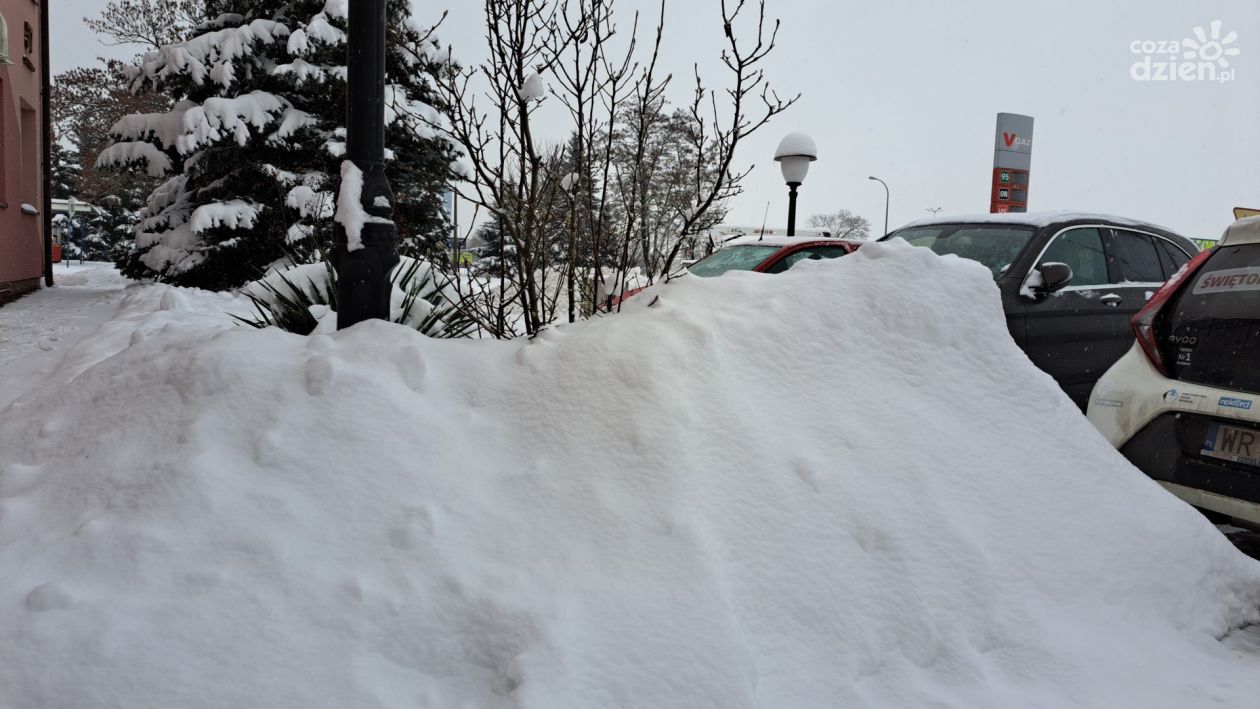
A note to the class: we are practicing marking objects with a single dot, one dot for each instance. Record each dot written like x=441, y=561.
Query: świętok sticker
x=1229, y=280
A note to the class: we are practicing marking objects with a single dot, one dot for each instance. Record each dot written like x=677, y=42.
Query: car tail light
x=1144, y=321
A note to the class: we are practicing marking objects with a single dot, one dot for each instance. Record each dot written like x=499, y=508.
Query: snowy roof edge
x=1038, y=219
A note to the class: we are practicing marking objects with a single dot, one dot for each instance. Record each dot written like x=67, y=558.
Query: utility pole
x=364, y=260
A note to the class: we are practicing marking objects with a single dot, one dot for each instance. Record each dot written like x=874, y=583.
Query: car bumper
x=1160, y=425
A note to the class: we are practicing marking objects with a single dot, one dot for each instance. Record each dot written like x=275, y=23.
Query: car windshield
x=732, y=258
x=994, y=245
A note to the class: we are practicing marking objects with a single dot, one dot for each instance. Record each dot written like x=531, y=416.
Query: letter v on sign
x=1009, y=138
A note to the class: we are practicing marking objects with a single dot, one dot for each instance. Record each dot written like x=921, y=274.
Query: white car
x=1184, y=403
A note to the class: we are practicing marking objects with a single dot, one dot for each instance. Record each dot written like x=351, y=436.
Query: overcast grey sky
x=908, y=91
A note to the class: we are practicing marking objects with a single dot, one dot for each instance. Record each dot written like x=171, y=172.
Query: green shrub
x=298, y=298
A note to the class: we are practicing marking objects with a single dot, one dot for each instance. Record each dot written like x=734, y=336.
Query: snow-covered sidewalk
x=38, y=329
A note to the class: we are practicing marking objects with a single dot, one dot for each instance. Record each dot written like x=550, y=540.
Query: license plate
x=1239, y=445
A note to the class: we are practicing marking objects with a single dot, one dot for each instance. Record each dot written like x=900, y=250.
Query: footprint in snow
x=18, y=479
x=319, y=374
x=50, y=596
x=806, y=472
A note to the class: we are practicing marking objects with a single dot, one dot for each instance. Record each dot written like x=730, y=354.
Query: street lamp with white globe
x=796, y=151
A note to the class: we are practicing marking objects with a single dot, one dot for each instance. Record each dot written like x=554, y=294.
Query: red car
x=770, y=254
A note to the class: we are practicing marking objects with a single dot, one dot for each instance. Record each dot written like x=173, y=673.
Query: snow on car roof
x=755, y=240
x=1243, y=231
x=1037, y=219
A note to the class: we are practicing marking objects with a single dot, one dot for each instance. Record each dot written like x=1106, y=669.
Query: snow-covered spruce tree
x=110, y=226
x=254, y=143
x=66, y=171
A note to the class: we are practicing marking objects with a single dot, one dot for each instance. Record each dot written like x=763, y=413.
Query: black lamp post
x=886, y=198
x=569, y=184
x=796, y=151
x=363, y=264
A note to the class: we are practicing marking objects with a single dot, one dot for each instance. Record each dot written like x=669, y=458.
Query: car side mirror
x=1054, y=276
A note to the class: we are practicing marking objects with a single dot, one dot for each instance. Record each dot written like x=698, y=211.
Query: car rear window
x=732, y=258
x=995, y=246
x=1213, y=327
x=1171, y=257
x=1134, y=258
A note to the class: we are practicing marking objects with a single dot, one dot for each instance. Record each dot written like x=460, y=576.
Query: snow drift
x=841, y=486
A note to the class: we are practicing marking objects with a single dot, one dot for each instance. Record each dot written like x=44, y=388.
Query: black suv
x=1070, y=282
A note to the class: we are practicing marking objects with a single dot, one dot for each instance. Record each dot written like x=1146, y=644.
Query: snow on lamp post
x=364, y=249
x=796, y=151
x=887, y=197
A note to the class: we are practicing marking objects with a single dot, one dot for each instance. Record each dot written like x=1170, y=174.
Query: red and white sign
x=1229, y=280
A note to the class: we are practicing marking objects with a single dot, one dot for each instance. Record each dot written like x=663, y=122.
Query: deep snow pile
x=840, y=486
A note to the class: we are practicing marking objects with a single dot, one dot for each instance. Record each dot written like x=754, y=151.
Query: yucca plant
x=290, y=300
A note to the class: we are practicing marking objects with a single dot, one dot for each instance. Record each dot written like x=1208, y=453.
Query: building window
x=4, y=41
x=30, y=155
x=28, y=46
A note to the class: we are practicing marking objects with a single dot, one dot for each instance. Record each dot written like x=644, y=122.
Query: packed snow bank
x=841, y=486
x=89, y=274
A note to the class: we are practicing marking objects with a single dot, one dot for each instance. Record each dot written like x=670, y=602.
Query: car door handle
x=1112, y=299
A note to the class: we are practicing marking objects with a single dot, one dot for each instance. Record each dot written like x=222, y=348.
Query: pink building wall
x=21, y=151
